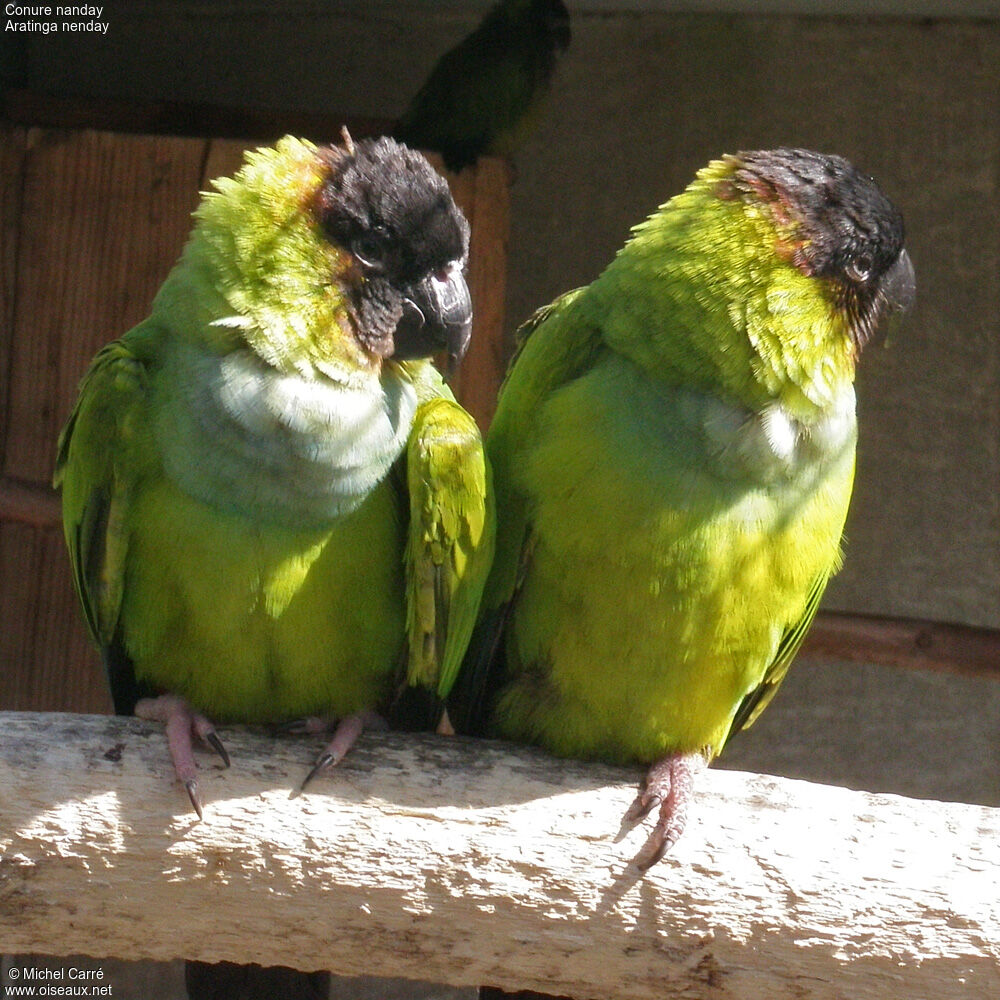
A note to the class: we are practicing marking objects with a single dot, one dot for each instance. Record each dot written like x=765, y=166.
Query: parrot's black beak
x=879, y=317
x=437, y=315
x=900, y=284
x=899, y=290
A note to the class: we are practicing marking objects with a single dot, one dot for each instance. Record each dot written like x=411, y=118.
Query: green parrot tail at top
x=673, y=453
x=485, y=95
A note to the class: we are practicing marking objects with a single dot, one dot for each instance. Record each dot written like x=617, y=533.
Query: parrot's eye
x=370, y=250
x=858, y=270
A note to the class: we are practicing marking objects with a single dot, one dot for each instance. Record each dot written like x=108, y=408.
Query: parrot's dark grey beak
x=899, y=290
x=437, y=315
x=880, y=317
x=900, y=284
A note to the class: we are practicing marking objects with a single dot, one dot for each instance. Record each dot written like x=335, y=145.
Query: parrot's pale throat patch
x=284, y=448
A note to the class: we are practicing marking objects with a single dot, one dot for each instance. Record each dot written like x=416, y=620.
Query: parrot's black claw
x=212, y=739
x=654, y=849
x=643, y=805
x=347, y=731
x=325, y=760
x=182, y=723
x=192, y=789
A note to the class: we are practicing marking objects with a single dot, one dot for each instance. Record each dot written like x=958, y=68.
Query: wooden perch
x=470, y=862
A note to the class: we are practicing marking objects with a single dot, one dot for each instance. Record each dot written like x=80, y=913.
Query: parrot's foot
x=310, y=725
x=181, y=723
x=346, y=732
x=669, y=784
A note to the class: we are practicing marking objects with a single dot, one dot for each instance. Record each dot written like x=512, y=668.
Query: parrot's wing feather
x=96, y=492
x=450, y=544
x=563, y=347
x=760, y=697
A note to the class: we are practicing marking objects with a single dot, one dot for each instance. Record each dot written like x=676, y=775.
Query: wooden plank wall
x=92, y=221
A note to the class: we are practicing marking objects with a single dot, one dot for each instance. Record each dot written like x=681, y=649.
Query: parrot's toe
x=182, y=723
x=344, y=736
x=669, y=785
x=310, y=725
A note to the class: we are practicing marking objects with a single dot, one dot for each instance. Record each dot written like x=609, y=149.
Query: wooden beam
x=905, y=642
x=466, y=862
x=29, y=503
x=485, y=364
x=183, y=118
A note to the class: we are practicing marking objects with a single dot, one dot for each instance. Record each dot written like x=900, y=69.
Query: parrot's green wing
x=450, y=544
x=560, y=346
x=96, y=472
x=760, y=697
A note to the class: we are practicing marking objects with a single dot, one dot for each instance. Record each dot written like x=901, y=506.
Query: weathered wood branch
x=470, y=862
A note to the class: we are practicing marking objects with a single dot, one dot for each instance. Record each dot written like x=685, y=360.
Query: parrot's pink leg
x=669, y=784
x=181, y=723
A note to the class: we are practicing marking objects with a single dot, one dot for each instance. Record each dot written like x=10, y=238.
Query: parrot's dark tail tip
x=492, y=993
x=205, y=981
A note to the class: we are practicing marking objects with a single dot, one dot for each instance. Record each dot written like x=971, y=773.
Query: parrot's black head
x=386, y=206
x=847, y=231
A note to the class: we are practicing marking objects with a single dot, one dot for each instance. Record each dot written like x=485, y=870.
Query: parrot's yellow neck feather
x=705, y=294
x=264, y=275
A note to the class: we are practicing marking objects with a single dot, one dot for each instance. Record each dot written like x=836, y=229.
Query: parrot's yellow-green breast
x=718, y=301
x=293, y=622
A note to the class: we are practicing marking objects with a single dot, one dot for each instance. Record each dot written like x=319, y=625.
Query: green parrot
x=485, y=95
x=673, y=453
x=273, y=505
